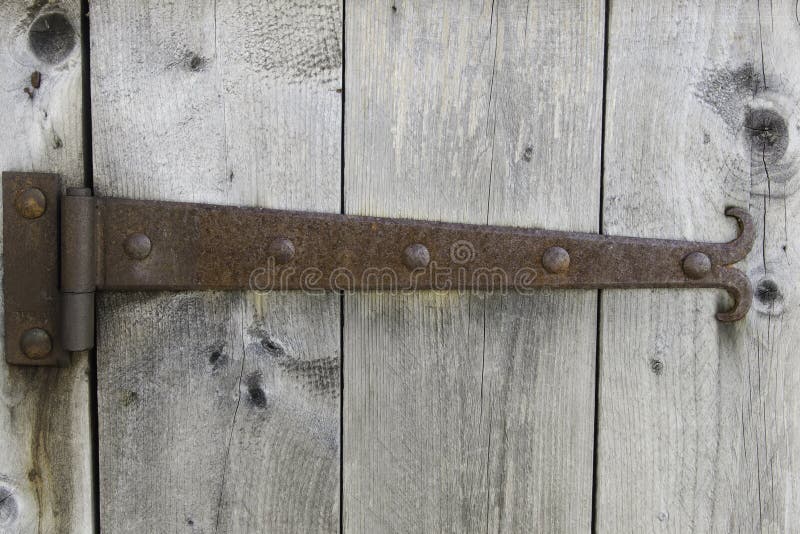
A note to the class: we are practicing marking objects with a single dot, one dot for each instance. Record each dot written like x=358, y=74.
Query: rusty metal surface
x=193, y=246
x=78, y=263
x=30, y=269
x=117, y=244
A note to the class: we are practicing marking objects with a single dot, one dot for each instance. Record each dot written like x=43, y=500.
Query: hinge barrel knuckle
x=78, y=269
x=77, y=321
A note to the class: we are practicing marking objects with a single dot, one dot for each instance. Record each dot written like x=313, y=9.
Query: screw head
x=556, y=260
x=31, y=203
x=696, y=265
x=36, y=343
x=282, y=250
x=416, y=256
x=137, y=246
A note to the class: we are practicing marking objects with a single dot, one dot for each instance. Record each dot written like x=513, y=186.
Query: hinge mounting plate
x=31, y=297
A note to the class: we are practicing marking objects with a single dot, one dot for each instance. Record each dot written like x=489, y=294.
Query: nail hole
x=767, y=291
x=768, y=297
x=195, y=63
x=528, y=154
x=51, y=38
x=657, y=366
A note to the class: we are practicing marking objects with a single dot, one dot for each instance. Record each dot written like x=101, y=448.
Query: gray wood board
x=698, y=421
x=45, y=423
x=218, y=412
x=471, y=413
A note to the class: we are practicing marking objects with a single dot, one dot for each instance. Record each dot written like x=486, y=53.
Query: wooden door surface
x=562, y=411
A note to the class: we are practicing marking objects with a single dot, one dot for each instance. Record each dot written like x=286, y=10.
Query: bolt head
x=416, y=256
x=696, y=265
x=137, y=246
x=282, y=250
x=555, y=260
x=36, y=343
x=31, y=203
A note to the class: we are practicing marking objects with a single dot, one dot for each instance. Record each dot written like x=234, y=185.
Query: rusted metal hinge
x=59, y=249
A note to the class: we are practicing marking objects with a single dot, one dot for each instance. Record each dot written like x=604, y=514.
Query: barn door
x=561, y=411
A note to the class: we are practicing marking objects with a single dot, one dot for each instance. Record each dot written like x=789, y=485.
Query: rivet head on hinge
x=416, y=256
x=137, y=246
x=696, y=265
x=31, y=203
x=36, y=343
x=555, y=260
x=282, y=250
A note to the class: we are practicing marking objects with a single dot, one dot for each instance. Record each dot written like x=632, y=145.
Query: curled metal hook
x=734, y=281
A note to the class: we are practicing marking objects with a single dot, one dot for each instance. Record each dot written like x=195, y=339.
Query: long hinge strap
x=119, y=244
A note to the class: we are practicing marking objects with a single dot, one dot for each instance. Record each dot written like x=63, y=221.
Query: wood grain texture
x=45, y=429
x=218, y=412
x=698, y=421
x=471, y=413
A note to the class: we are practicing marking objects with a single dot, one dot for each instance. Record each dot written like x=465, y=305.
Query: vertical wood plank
x=45, y=423
x=698, y=421
x=471, y=413
x=219, y=412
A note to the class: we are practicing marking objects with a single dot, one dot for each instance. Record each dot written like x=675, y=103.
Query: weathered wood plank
x=698, y=422
x=218, y=412
x=45, y=423
x=471, y=413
